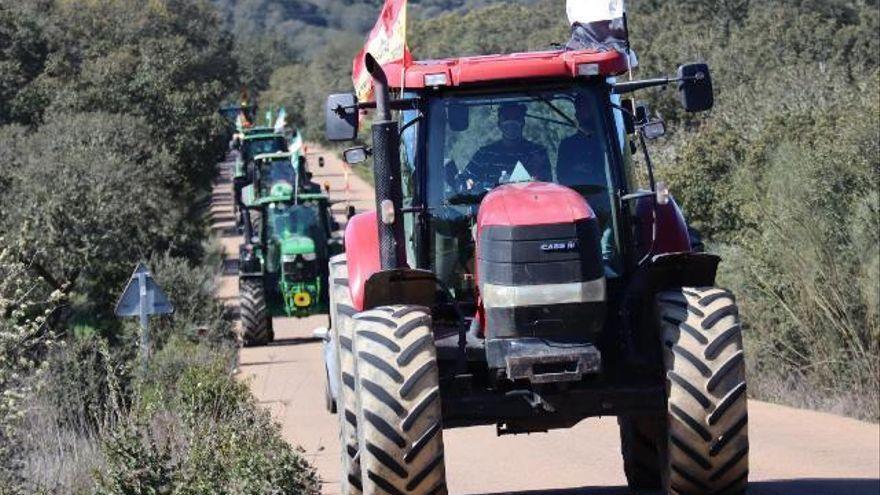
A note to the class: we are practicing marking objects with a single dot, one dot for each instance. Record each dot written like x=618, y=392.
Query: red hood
x=532, y=203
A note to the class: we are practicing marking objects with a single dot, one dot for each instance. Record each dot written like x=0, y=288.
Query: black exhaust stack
x=386, y=168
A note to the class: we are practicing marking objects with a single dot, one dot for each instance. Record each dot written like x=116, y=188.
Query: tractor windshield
x=296, y=220
x=277, y=171
x=478, y=141
x=254, y=147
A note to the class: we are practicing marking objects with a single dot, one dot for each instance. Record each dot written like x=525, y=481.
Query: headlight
x=309, y=256
x=288, y=258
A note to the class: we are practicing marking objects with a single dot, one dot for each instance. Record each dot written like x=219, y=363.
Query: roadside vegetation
x=110, y=136
x=782, y=178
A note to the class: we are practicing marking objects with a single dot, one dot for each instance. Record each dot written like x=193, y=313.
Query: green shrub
x=200, y=433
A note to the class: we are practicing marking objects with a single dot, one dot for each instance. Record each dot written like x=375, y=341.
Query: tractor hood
x=297, y=244
x=539, y=265
x=281, y=189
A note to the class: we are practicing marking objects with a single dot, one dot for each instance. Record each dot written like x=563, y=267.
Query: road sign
x=142, y=297
x=142, y=294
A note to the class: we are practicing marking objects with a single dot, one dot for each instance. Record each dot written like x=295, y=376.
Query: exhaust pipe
x=386, y=168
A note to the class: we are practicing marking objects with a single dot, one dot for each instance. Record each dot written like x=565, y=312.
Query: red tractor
x=513, y=274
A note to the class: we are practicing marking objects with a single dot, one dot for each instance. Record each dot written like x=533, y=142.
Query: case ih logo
x=555, y=247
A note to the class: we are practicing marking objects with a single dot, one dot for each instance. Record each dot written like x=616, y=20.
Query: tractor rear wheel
x=640, y=439
x=256, y=329
x=707, y=446
x=400, y=432
x=342, y=334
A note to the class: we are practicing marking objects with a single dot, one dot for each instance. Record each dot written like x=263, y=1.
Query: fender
x=362, y=253
x=672, y=230
x=368, y=284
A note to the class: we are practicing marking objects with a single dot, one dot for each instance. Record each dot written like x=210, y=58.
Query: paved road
x=793, y=452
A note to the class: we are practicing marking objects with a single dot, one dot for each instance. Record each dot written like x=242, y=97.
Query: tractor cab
x=254, y=142
x=498, y=130
x=271, y=169
x=260, y=141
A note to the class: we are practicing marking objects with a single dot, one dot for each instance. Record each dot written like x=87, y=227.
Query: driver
x=491, y=161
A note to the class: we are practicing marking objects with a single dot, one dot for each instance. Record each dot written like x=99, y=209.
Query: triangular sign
x=519, y=174
x=143, y=290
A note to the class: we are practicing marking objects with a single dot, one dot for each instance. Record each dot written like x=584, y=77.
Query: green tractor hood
x=295, y=244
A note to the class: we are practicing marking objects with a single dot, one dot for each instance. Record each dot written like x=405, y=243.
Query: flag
x=296, y=145
x=599, y=24
x=241, y=122
x=386, y=42
x=281, y=121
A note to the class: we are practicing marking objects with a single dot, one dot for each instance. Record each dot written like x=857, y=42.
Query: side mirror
x=341, y=117
x=320, y=161
x=302, y=161
x=654, y=129
x=356, y=155
x=695, y=87
x=459, y=117
x=350, y=212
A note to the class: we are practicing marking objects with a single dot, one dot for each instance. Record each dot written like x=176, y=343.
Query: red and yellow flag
x=386, y=42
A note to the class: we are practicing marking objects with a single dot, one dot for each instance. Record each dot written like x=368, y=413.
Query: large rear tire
x=640, y=439
x=400, y=420
x=707, y=445
x=342, y=334
x=256, y=329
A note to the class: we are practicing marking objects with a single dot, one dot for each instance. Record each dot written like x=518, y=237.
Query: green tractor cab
x=288, y=228
x=253, y=142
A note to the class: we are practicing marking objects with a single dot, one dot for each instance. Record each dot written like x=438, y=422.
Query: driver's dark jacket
x=490, y=161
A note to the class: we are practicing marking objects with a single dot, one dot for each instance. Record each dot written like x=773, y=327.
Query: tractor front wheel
x=256, y=329
x=707, y=444
x=400, y=427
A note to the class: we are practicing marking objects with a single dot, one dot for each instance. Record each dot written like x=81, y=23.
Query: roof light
x=588, y=69
x=436, y=79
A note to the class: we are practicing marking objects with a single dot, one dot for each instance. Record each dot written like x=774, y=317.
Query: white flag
x=599, y=25
x=590, y=11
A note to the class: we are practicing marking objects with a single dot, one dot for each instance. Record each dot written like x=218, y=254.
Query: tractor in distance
x=288, y=238
x=514, y=273
x=232, y=113
x=250, y=143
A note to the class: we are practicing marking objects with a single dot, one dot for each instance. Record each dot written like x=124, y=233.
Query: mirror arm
x=409, y=103
x=630, y=86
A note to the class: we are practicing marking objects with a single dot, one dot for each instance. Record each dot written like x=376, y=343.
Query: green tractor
x=288, y=227
x=251, y=143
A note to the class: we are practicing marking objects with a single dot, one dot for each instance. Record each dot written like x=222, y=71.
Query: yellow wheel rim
x=302, y=299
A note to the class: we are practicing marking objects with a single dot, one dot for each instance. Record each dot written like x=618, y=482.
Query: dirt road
x=793, y=452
